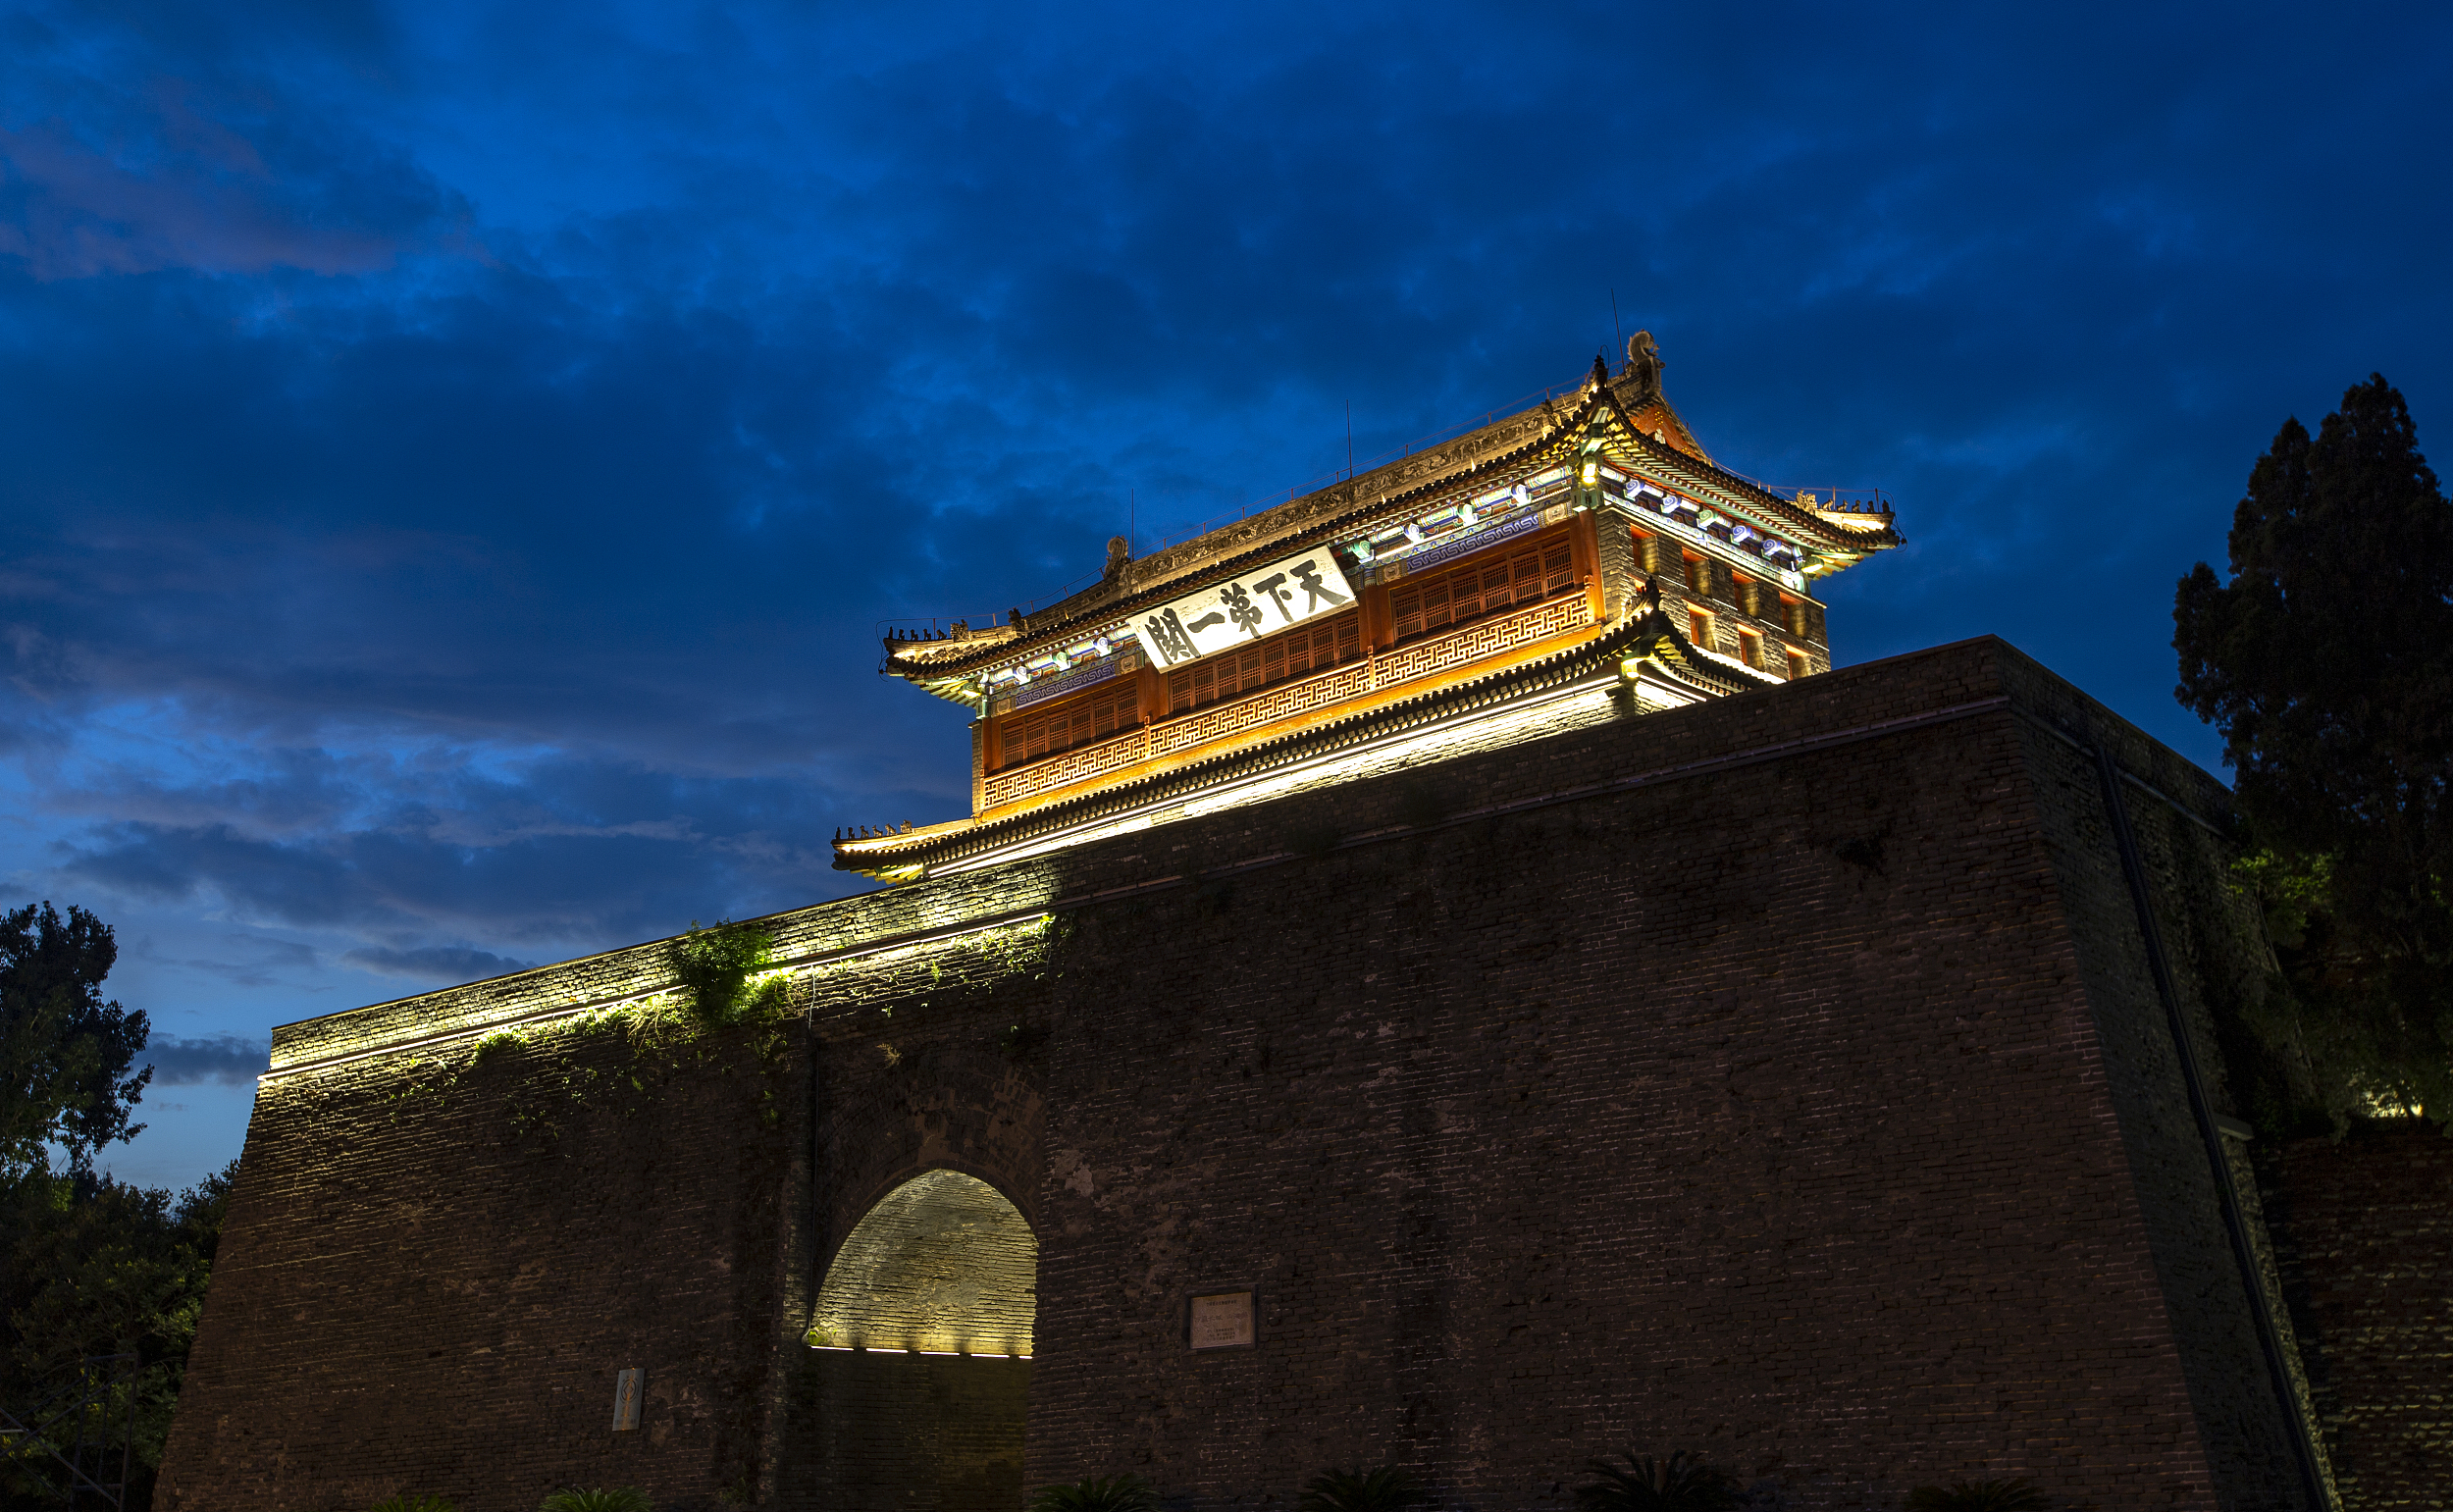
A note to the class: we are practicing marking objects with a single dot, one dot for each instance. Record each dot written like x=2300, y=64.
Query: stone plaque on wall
x=626, y=1384
x=1222, y=1320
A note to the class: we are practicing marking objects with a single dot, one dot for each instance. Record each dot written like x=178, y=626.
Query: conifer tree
x=2326, y=664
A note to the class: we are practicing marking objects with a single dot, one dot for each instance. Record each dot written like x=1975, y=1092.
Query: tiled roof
x=939, y=663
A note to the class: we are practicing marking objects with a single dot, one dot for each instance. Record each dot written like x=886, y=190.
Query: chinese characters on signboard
x=1225, y=615
x=1223, y=1320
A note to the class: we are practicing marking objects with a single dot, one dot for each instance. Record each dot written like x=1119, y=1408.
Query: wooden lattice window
x=1488, y=585
x=1289, y=654
x=1077, y=721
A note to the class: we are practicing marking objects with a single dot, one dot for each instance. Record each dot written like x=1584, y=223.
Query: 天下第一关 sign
x=1256, y=603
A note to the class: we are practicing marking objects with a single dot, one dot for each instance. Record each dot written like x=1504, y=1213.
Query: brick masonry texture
x=2366, y=1226
x=1807, y=1102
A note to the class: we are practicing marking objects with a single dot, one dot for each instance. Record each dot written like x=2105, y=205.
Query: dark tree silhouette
x=2327, y=662
x=64, y=1051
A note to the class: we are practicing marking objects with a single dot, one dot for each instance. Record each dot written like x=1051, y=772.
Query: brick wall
x=1772, y=1077
x=2367, y=1230
x=909, y=1432
x=433, y=1271
x=1766, y=1110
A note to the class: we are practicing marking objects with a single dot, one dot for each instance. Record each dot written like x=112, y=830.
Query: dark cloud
x=224, y=1059
x=458, y=459
x=567, y=854
x=239, y=959
x=435, y=964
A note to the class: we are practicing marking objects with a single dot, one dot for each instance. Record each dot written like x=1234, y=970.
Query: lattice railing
x=1072, y=766
x=1224, y=719
x=1488, y=638
x=1474, y=642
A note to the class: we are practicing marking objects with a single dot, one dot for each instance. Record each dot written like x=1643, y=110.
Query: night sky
x=453, y=462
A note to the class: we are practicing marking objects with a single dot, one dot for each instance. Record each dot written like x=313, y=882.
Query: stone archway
x=941, y=1265
x=922, y=1341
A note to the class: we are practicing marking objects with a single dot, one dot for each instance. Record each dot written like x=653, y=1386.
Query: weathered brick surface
x=922, y=1432
x=429, y=1282
x=2367, y=1230
x=1803, y=1103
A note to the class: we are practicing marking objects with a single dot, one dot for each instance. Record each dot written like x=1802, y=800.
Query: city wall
x=1784, y=1078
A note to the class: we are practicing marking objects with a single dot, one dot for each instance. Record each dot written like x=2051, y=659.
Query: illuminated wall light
x=942, y=1265
x=366, y=1047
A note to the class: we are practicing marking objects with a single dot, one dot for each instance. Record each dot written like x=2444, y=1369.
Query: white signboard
x=1223, y=1320
x=1260, y=603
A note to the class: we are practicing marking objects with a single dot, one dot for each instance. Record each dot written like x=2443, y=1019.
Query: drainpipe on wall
x=2314, y=1479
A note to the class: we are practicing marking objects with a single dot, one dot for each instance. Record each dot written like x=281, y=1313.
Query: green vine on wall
x=727, y=985
x=726, y=973
x=726, y=981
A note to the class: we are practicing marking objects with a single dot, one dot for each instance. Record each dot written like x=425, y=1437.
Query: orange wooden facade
x=1025, y=755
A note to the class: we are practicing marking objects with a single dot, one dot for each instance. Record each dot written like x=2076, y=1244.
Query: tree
x=64, y=1051
x=89, y=1265
x=2326, y=664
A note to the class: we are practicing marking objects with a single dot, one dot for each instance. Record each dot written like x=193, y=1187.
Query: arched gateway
x=923, y=1335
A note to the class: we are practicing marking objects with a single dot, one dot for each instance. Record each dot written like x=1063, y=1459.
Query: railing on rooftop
x=1823, y=497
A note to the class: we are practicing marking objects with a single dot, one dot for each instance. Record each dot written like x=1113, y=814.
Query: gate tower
x=1591, y=528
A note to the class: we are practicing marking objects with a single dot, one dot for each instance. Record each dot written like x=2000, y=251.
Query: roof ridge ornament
x=1643, y=362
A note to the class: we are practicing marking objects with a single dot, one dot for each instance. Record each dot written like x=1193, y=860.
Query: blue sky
x=453, y=462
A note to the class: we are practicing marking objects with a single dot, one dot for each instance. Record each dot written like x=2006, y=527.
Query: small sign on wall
x=1222, y=1320
x=627, y=1386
